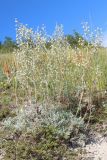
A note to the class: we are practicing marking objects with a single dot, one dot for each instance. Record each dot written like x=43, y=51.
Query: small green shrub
x=41, y=145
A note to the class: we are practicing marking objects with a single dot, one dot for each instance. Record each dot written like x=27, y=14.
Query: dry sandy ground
x=97, y=150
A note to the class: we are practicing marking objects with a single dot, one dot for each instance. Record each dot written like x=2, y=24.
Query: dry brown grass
x=7, y=61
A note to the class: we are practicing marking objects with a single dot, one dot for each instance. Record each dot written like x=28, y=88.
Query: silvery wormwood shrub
x=56, y=71
x=40, y=69
x=29, y=119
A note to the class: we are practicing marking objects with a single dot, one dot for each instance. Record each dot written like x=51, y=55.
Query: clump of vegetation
x=44, y=144
x=59, y=74
x=59, y=85
x=30, y=119
x=5, y=112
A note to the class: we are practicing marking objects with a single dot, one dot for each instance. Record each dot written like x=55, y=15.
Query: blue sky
x=70, y=13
